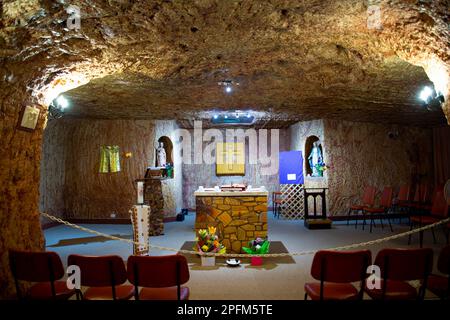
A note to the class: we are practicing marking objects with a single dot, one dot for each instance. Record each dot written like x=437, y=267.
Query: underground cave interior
x=374, y=99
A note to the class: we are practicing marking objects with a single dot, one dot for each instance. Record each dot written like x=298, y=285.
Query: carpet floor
x=273, y=280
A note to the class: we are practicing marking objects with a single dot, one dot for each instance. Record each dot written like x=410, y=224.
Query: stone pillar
x=153, y=197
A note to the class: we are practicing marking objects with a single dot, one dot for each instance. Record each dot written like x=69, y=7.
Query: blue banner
x=291, y=167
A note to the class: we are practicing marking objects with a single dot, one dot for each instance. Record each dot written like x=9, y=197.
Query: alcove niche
x=168, y=148
x=308, y=148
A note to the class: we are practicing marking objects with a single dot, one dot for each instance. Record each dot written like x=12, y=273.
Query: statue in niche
x=316, y=160
x=161, y=155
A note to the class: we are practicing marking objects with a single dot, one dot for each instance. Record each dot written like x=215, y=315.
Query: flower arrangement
x=321, y=167
x=257, y=246
x=208, y=241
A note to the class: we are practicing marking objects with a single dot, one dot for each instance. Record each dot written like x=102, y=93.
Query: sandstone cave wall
x=361, y=154
x=195, y=175
x=71, y=185
x=53, y=170
x=19, y=188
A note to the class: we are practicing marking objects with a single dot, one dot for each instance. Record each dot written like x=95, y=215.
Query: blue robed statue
x=315, y=160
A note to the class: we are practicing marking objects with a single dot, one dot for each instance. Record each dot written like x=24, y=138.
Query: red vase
x=256, y=261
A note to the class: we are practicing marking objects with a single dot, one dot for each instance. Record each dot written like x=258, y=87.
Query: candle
x=140, y=192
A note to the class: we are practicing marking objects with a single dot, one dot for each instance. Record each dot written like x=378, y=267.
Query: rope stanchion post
x=240, y=255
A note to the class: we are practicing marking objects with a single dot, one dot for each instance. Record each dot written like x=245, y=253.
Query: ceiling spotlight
x=228, y=89
x=426, y=94
x=62, y=102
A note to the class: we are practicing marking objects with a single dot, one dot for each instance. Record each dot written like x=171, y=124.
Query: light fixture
x=431, y=98
x=233, y=118
x=228, y=84
x=57, y=106
x=425, y=94
x=62, y=102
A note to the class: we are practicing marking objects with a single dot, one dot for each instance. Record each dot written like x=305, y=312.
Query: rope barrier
x=233, y=255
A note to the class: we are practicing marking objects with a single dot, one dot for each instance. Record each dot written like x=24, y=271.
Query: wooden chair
x=160, y=276
x=44, y=269
x=336, y=270
x=104, y=275
x=277, y=202
x=382, y=211
x=439, y=284
x=398, y=267
x=368, y=201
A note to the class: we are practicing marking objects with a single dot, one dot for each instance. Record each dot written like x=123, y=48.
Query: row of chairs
x=162, y=277
x=337, y=270
x=420, y=211
x=159, y=277
x=368, y=207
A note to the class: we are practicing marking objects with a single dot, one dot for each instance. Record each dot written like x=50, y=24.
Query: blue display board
x=291, y=167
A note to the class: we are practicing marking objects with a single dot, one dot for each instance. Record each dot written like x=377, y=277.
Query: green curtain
x=109, y=159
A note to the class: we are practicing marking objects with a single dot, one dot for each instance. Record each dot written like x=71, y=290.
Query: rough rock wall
x=53, y=170
x=361, y=154
x=71, y=185
x=19, y=187
x=90, y=194
x=195, y=175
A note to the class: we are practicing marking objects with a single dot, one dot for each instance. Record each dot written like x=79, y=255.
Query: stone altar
x=238, y=216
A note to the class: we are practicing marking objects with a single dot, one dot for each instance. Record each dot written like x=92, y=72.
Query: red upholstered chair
x=336, y=270
x=368, y=201
x=403, y=199
x=382, y=211
x=398, y=266
x=404, y=195
x=438, y=284
x=439, y=210
x=160, y=276
x=104, y=275
x=44, y=269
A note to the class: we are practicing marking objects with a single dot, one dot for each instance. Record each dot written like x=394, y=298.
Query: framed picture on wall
x=230, y=159
x=28, y=118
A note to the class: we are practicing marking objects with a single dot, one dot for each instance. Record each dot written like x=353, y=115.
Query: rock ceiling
x=293, y=60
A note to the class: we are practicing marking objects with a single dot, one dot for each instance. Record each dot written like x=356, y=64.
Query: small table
x=316, y=221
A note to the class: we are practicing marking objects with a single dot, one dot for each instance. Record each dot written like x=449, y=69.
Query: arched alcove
x=168, y=147
x=308, y=147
